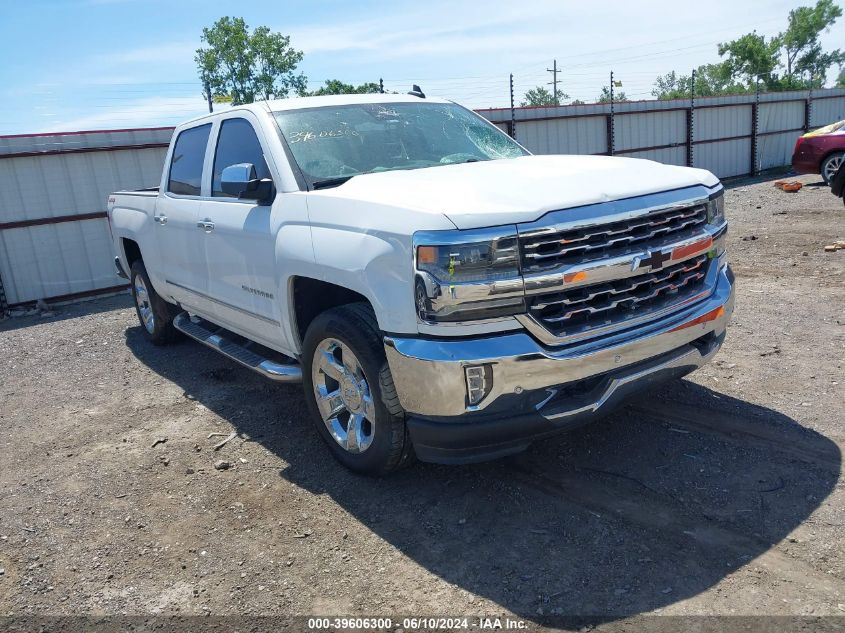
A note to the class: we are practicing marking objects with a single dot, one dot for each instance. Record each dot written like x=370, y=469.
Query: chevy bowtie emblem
x=654, y=260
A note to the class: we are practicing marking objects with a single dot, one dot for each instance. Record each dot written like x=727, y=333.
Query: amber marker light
x=579, y=276
x=704, y=318
x=427, y=254
x=685, y=251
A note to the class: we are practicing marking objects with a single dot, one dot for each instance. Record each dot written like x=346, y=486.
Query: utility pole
x=554, y=70
x=208, y=95
x=513, y=113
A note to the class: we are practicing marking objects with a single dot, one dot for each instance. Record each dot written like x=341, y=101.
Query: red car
x=820, y=151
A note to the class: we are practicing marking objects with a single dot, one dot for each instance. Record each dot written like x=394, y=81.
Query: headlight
x=467, y=280
x=477, y=261
x=716, y=209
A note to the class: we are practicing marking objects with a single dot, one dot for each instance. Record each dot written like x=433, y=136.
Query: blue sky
x=96, y=64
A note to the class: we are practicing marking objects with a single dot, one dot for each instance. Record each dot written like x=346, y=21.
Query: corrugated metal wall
x=722, y=134
x=54, y=238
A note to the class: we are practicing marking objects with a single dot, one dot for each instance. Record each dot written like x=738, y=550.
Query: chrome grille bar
x=574, y=311
x=600, y=241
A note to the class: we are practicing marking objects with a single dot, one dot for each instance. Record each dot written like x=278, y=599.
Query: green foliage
x=539, y=96
x=604, y=97
x=803, y=51
x=245, y=66
x=840, y=82
x=752, y=57
x=337, y=87
x=710, y=80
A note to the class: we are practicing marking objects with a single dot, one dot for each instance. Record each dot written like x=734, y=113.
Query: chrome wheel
x=343, y=396
x=142, y=299
x=831, y=166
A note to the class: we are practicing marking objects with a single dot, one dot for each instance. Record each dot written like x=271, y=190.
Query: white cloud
x=151, y=111
x=165, y=53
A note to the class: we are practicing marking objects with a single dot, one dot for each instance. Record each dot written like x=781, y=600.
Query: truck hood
x=509, y=191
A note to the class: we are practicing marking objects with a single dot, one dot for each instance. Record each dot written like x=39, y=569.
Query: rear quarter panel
x=131, y=216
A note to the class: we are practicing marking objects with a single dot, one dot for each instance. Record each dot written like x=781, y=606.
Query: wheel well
x=132, y=251
x=312, y=297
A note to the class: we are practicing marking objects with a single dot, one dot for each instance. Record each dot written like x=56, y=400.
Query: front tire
x=350, y=392
x=154, y=313
x=830, y=166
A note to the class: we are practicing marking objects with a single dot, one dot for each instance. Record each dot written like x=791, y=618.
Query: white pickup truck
x=439, y=291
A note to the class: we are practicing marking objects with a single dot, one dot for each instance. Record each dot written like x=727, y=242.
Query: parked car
x=438, y=290
x=820, y=151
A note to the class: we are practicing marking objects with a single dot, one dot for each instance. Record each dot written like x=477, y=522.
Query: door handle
x=160, y=219
x=206, y=225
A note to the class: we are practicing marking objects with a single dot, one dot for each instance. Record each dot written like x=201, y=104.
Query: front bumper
x=538, y=390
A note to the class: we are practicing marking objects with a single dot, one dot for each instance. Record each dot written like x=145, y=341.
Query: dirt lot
x=719, y=494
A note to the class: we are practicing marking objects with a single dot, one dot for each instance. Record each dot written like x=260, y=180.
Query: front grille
x=612, y=303
x=542, y=251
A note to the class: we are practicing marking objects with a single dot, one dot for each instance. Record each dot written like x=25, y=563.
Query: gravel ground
x=716, y=495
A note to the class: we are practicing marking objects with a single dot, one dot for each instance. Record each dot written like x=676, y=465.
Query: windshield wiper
x=331, y=182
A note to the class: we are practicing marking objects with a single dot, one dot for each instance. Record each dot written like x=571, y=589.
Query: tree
x=710, y=80
x=604, y=97
x=539, y=96
x=840, y=82
x=337, y=87
x=797, y=51
x=801, y=44
x=246, y=66
x=752, y=56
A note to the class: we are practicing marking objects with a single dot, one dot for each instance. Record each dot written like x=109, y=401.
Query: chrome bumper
x=529, y=378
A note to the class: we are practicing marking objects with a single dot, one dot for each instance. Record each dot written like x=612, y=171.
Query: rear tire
x=830, y=166
x=154, y=313
x=350, y=391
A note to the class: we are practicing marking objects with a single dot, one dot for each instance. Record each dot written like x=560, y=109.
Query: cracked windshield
x=333, y=144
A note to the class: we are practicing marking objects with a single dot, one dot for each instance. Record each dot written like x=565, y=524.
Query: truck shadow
x=648, y=507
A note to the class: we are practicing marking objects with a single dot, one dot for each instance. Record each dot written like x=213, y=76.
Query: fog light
x=479, y=382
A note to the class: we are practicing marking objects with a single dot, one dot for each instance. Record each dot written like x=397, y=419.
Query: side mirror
x=241, y=181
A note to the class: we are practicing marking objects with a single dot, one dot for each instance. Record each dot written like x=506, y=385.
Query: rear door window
x=186, y=165
x=237, y=143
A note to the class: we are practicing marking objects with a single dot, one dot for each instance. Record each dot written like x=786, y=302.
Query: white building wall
x=47, y=182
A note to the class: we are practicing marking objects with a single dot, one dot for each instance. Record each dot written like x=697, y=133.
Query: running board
x=221, y=340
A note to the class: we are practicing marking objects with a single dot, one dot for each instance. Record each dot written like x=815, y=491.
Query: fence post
x=755, y=111
x=808, y=110
x=4, y=304
x=610, y=123
x=513, y=112
x=691, y=121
